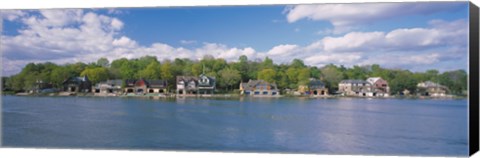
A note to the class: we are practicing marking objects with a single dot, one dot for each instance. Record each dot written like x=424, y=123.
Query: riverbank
x=222, y=96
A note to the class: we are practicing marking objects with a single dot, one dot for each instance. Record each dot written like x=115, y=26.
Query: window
x=257, y=93
x=265, y=92
x=274, y=93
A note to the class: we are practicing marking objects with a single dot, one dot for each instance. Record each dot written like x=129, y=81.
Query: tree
x=244, y=68
x=243, y=59
x=267, y=75
x=432, y=75
x=292, y=76
x=403, y=80
x=229, y=77
x=315, y=72
x=16, y=82
x=128, y=70
x=219, y=64
x=95, y=75
x=331, y=75
x=103, y=62
x=297, y=63
x=303, y=76
x=455, y=80
x=151, y=72
x=144, y=61
x=166, y=72
x=267, y=63
x=196, y=69
x=59, y=75
x=356, y=73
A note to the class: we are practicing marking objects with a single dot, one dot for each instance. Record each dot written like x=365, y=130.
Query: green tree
x=59, y=75
x=103, y=62
x=356, y=72
x=403, y=80
x=229, y=77
x=166, y=72
x=196, y=69
x=267, y=63
x=128, y=70
x=303, y=76
x=297, y=63
x=315, y=72
x=16, y=82
x=268, y=75
x=151, y=72
x=142, y=62
x=96, y=75
x=456, y=81
x=331, y=76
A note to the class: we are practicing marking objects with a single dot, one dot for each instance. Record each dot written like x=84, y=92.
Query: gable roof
x=210, y=81
x=372, y=80
x=315, y=82
x=76, y=80
x=354, y=82
x=252, y=84
x=115, y=82
x=157, y=83
x=428, y=84
x=186, y=78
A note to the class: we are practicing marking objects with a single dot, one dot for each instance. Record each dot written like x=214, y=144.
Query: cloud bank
x=71, y=35
x=345, y=17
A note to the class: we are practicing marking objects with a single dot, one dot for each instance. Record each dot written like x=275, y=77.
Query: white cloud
x=114, y=11
x=12, y=15
x=59, y=18
x=354, y=41
x=124, y=42
x=116, y=24
x=441, y=33
x=282, y=50
x=345, y=17
x=187, y=42
x=413, y=48
x=322, y=59
x=66, y=36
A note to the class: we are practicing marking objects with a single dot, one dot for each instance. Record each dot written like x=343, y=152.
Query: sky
x=416, y=36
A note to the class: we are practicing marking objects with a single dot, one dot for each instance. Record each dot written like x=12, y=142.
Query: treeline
x=229, y=74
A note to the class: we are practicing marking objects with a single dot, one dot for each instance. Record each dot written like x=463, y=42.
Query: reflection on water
x=325, y=126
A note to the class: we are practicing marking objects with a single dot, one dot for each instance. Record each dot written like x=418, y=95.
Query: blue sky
x=414, y=36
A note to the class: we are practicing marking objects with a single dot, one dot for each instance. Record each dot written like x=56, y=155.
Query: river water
x=278, y=125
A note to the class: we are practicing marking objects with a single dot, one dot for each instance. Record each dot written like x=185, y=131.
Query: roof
x=252, y=84
x=157, y=83
x=372, y=80
x=211, y=81
x=427, y=84
x=186, y=78
x=110, y=83
x=130, y=82
x=316, y=82
x=353, y=81
x=77, y=80
x=115, y=82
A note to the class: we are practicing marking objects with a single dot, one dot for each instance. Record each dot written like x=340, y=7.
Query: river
x=279, y=125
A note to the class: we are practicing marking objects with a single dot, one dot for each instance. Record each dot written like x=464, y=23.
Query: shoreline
x=224, y=96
